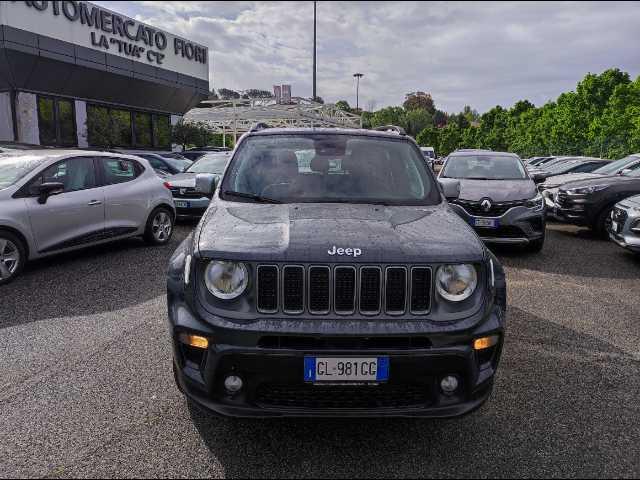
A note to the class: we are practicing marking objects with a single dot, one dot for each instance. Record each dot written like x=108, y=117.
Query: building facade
x=72, y=72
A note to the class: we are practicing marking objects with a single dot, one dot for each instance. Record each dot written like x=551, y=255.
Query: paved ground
x=86, y=387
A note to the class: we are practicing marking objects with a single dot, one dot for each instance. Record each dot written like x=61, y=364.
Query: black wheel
x=159, y=226
x=13, y=256
x=603, y=223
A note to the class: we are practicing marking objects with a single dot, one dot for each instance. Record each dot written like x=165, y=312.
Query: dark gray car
x=340, y=286
x=498, y=197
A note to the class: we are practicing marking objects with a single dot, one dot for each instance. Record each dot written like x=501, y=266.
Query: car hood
x=602, y=180
x=557, y=180
x=497, y=190
x=307, y=232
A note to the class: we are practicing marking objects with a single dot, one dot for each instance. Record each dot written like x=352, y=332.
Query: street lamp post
x=358, y=77
x=314, y=51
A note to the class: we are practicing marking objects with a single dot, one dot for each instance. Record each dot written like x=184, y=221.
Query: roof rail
x=391, y=128
x=256, y=127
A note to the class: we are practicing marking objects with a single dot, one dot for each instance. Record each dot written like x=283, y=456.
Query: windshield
x=615, y=167
x=13, y=168
x=331, y=168
x=178, y=163
x=563, y=166
x=210, y=163
x=484, y=167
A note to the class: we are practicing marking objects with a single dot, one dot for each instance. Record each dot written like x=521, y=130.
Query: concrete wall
x=81, y=123
x=27, y=116
x=6, y=120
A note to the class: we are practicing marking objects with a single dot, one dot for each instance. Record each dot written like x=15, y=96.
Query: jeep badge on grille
x=354, y=252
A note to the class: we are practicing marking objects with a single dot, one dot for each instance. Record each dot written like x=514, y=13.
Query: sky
x=479, y=53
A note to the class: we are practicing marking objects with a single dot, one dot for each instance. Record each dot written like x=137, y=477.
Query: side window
x=155, y=163
x=119, y=170
x=74, y=173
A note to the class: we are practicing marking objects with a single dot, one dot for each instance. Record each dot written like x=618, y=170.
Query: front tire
x=13, y=256
x=602, y=223
x=159, y=227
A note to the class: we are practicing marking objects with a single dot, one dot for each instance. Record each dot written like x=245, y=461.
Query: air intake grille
x=420, y=290
x=396, y=290
x=370, y=289
x=319, y=290
x=293, y=289
x=344, y=289
x=267, y=288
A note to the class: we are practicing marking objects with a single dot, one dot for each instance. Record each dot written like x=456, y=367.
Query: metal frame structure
x=237, y=116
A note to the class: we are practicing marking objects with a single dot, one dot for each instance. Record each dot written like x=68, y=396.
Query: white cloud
x=480, y=54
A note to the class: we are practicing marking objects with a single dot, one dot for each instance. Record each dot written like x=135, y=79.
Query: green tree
x=389, y=116
x=343, y=105
x=416, y=121
x=419, y=100
x=429, y=137
x=450, y=138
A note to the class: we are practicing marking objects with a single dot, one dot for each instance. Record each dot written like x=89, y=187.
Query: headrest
x=320, y=164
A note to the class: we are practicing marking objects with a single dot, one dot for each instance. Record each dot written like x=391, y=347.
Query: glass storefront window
x=122, y=128
x=111, y=127
x=163, y=131
x=56, y=121
x=143, y=130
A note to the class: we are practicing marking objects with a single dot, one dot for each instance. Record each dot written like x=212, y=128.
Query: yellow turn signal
x=483, y=343
x=195, y=341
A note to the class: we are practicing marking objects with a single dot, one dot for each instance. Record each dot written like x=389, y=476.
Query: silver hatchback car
x=54, y=201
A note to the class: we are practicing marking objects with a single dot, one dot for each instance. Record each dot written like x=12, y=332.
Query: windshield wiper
x=251, y=196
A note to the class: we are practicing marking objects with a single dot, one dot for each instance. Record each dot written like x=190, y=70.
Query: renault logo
x=183, y=191
x=486, y=204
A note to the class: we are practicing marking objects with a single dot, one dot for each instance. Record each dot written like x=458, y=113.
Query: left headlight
x=226, y=280
x=537, y=202
x=456, y=282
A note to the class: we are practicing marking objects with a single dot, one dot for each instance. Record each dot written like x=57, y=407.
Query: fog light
x=233, y=384
x=485, y=342
x=195, y=341
x=449, y=384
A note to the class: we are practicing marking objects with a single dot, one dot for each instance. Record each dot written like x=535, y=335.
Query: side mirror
x=48, y=189
x=450, y=187
x=539, y=177
x=206, y=183
x=626, y=171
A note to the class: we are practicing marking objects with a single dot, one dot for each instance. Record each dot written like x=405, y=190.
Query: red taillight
x=167, y=185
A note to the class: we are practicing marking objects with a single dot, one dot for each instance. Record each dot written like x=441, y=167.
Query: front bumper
x=271, y=365
x=518, y=226
x=191, y=207
x=627, y=234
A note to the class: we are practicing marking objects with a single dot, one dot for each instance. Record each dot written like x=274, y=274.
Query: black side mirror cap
x=48, y=189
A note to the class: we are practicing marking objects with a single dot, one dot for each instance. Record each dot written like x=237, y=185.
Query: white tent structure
x=239, y=115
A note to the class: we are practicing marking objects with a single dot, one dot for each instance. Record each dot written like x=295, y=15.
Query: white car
x=54, y=201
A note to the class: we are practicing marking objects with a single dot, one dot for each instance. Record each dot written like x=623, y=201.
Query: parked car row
x=605, y=200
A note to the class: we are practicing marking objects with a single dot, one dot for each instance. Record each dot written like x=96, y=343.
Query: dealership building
x=68, y=68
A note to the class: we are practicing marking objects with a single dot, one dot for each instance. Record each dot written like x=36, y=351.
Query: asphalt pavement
x=86, y=388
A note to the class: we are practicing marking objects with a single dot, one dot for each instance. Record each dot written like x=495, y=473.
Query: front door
x=72, y=218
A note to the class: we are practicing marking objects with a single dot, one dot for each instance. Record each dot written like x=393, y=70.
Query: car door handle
x=94, y=202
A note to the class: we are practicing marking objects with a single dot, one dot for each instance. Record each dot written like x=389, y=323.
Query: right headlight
x=226, y=280
x=456, y=282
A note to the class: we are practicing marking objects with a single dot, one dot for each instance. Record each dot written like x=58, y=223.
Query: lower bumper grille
x=328, y=397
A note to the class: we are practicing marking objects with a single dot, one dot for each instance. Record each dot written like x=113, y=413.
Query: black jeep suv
x=330, y=277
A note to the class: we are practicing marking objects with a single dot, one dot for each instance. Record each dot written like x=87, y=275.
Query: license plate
x=486, y=222
x=180, y=204
x=348, y=369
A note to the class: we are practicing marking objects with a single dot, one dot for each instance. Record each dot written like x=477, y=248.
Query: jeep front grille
x=343, y=289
